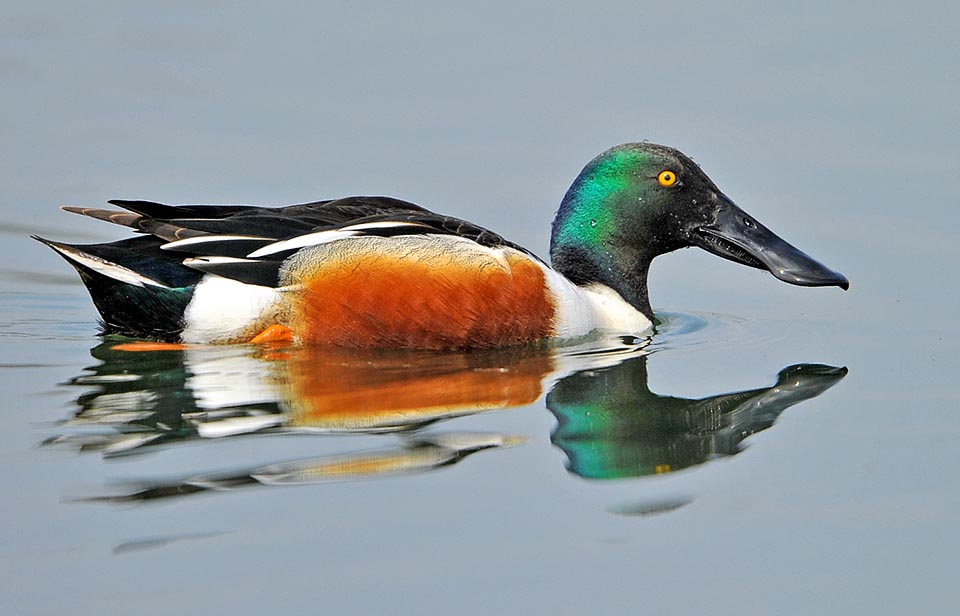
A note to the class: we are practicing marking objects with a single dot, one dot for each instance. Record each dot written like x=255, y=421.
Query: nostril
x=748, y=223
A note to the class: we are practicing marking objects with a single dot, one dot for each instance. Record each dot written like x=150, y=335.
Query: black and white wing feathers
x=250, y=243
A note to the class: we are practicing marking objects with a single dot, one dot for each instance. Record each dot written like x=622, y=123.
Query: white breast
x=597, y=307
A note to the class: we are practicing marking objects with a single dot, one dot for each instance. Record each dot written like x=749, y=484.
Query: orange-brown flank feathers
x=417, y=292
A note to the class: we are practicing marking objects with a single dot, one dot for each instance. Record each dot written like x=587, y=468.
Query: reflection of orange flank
x=339, y=391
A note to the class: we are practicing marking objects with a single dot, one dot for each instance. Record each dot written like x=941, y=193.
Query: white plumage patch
x=214, y=260
x=582, y=310
x=324, y=237
x=224, y=310
x=208, y=239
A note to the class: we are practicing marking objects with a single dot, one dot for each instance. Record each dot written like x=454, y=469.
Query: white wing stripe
x=203, y=239
x=215, y=260
x=386, y=224
x=301, y=241
x=325, y=237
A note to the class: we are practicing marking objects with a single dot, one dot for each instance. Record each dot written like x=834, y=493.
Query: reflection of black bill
x=739, y=237
x=610, y=425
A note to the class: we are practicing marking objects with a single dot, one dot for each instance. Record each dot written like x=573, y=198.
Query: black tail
x=138, y=289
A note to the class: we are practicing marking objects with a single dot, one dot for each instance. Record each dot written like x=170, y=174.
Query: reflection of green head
x=611, y=425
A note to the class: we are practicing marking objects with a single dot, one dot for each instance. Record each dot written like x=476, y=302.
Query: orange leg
x=273, y=334
x=145, y=345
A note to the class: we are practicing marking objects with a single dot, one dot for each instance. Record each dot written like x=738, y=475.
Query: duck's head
x=640, y=200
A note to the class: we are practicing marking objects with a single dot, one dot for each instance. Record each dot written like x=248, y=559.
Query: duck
x=379, y=272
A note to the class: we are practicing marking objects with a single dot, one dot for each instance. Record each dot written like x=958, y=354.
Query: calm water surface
x=770, y=450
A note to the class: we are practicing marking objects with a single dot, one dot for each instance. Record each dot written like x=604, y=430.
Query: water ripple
x=684, y=330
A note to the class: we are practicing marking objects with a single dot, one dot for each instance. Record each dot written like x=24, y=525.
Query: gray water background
x=834, y=124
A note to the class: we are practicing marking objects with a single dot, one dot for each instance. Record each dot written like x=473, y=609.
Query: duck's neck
x=625, y=272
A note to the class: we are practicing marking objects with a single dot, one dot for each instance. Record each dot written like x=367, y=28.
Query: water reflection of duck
x=144, y=399
x=141, y=401
x=611, y=425
x=379, y=272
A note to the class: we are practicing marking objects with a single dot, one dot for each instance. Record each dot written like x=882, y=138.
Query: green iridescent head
x=615, y=188
x=640, y=200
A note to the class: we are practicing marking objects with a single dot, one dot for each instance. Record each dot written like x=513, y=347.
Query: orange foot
x=144, y=345
x=274, y=333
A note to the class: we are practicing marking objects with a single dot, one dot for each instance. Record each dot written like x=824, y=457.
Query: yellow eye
x=667, y=178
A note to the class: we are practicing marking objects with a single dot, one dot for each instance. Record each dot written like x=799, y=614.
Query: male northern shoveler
x=380, y=272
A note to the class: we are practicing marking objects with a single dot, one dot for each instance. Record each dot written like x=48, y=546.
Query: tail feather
x=151, y=209
x=127, y=219
x=136, y=288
